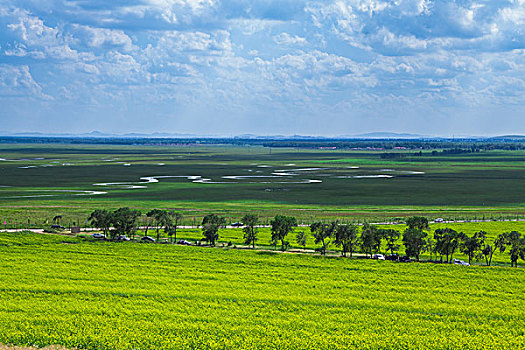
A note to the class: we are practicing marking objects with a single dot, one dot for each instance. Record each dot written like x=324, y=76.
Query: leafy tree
x=281, y=226
x=147, y=221
x=57, y=219
x=323, y=234
x=430, y=246
x=301, y=238
x=414, y=242
x=250, y=231
x=101, y=219
x=471, y=245
x=447, y=242
x=488, y=250
x=391, y=236
x=517, y=246
x=124, y=221
x=171, y=221
x=346, y=238
x=417, y=222
x=210, y=227
x=159, y=217
x=370, y=239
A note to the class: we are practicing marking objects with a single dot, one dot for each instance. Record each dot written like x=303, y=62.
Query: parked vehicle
x=237, y=224
x=184, y=242
x=392, y=257
x=404, y=259
x=147, y=239
x=60, y=227
x=378, y=257
x=123, y=238
x=439, y=220
x=98, y=235
x=460, y=262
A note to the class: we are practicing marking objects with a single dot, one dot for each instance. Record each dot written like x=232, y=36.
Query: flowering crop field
x=100, y=295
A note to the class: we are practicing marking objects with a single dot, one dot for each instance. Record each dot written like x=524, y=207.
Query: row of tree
x=445, y=242
x=123, y=222
x=416, y=240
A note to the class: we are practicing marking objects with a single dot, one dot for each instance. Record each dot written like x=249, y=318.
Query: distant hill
x=98, y=134
x=371, y=136
x=508, y=137
x=390, y=135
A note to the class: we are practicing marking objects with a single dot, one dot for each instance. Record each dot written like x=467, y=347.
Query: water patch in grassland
x=380, y=176
x=55, y=194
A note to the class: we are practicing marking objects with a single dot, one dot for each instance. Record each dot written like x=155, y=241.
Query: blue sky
x=332, y=67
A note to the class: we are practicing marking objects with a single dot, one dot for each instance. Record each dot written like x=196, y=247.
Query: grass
x=10, y=347
x=137, y=296
x=487, y=183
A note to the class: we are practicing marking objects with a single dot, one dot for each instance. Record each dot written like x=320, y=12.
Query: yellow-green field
x=79, y=293
x=90, y=295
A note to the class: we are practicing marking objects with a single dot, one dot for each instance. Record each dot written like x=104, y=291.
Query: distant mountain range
x=509, y=137
x=98, y=134
x=391, y=135
x=372, y=135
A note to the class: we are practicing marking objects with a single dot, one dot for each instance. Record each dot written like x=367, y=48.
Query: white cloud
x=287, y=39
x=17, y=81
x=287, y=57
x=105, y=38
x=32, y=30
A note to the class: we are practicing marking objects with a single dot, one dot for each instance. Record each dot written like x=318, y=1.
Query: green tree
x=346, y=238
x=370, y=239
x=57, y=219
x=281, y=226
x=471, y=245
x=323, y=234
x=430, y=246
x=391, y=236
x=447, y=242
x=301, y=238
x=210, y=227
x=489, y=250
x=147, y=221
x=417, y=222
x=124, y=221
x=159, y=217
x=101, y=219
x=250, y=230
x=516, y=245
x=171, y=222
x=414, y=240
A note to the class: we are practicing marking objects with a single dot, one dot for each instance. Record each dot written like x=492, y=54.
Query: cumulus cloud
x=103, y=38
x=17, y=82
x=243, y=59
x=287, y=39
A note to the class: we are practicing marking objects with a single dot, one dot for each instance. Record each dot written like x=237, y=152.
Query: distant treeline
x=446, y=151
x=452, y=145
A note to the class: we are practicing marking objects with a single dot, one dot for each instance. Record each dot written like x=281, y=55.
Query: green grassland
x=102, y=295
x=37, y=182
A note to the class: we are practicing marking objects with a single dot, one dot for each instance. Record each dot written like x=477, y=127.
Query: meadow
x=40, y=181
x=106, y=295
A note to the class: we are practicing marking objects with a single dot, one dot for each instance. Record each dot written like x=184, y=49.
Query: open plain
x=39, y=181
x=74, y=291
